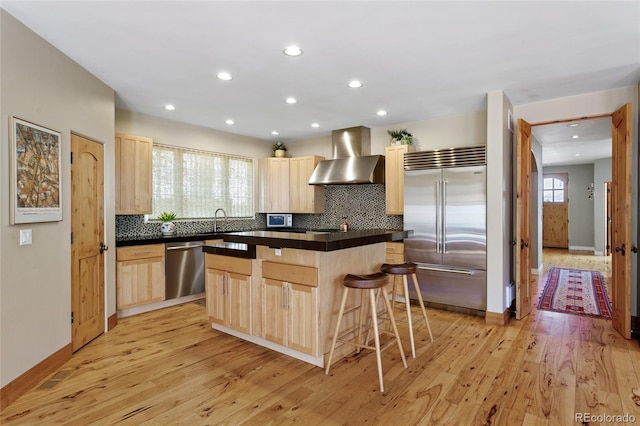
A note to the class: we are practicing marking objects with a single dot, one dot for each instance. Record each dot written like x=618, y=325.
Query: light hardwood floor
x=169, y=367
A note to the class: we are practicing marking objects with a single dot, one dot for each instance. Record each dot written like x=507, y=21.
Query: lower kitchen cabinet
x=291, y=308
x=139, y=275
x=228, y=290
x=395, y=254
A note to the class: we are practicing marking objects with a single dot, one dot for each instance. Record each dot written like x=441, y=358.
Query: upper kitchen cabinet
x=273, y=185
x=304, y=198
x=133, y=174
x=394, y=177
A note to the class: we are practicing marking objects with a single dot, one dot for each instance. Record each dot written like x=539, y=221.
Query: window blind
x=193, y=183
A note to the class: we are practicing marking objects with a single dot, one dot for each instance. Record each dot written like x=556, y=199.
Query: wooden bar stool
x=370, y=282
x=405, y=269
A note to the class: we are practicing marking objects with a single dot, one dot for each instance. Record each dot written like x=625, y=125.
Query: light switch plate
x=26, y=237
x=278, y=252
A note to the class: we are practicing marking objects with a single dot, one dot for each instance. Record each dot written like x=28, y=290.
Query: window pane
x=558, y=196
x=196, y=183
x=548, y=196
x=558, y=184
x=548, y=183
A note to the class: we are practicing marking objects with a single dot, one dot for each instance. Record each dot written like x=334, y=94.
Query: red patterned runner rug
x=573, y=291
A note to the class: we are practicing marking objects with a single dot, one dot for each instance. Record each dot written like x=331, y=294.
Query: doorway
x=621, y=144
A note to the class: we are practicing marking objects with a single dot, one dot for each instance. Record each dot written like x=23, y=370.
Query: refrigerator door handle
x=438, y=217
x=453, y=271
x=444, y=216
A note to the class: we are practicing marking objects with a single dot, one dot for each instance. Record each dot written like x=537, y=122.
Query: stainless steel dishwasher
x=184, y=269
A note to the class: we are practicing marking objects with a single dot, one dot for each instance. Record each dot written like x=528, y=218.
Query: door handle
x=634, y=249
x=103, y=247
x=523, y=244
x=620, y=249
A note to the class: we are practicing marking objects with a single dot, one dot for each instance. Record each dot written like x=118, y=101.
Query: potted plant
x=400, y=137
x=167, y=227
x=279, y=149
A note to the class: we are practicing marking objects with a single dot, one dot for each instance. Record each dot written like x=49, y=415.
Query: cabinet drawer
x=140, y=252
x=228, y=263
x=290, y=273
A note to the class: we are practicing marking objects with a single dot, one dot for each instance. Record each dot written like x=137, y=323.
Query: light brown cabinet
x=273, y=185
x=291, y=306
x=304, y=198
x=228, y=291
x=133, y=174
x=394, y=177
x=284, y=185
x=139, y=275
x=395, y=254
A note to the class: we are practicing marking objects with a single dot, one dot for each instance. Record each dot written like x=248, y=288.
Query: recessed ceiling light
x=292, y=51
x=573, y=125
x=354, y=84
x=315, y=125
x=381, y=113
x=224, y=75
x=230, y=122
x=575, y=137
x=275, y=133
x=169, y=107
x=291, y=100
x=577, y=155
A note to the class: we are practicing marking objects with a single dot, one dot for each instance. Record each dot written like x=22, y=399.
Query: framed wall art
x=36, y=192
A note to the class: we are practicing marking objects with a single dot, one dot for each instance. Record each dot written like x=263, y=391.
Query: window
x=554, y=190
x=196, y=183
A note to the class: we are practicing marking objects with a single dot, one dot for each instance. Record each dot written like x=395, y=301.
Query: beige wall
x=169, y=132
x=40, y=84
x=442, y=132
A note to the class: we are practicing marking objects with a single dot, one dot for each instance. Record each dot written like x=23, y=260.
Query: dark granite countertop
x=314, y=240
x=245, y=251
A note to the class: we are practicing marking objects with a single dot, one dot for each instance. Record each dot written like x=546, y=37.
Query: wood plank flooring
x=169, y=367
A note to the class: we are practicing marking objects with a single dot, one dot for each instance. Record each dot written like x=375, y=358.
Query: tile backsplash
x=363, y=206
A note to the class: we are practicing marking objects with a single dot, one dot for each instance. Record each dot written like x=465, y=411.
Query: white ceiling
x=417, y=60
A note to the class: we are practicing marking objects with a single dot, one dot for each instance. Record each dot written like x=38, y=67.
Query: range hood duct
x=352, y=162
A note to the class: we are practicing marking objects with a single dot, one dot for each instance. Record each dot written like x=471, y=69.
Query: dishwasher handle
x=184, y=247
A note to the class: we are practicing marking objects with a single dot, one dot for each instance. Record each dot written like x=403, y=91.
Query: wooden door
x=555, y=210
x=215, y=289
x=609, y=214
x=239, y=302
x=87, y=227
x=273, y=310
x=523, y=220
x=302, y=312
x=621, y=218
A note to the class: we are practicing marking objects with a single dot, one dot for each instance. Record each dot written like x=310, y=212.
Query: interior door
x=621, y=220
x=555, y=210
x=523, y=220
x=87, y=226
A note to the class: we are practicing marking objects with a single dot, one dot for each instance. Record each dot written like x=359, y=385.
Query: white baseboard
x=582, y=248
x=538, y=271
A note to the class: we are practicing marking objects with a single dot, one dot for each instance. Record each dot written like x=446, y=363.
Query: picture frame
x=36, y=184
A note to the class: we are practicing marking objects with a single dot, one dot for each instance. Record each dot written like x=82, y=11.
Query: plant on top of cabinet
x=279, y=149
x=400, y=137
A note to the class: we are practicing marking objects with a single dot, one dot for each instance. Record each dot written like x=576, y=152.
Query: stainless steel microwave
x=279, y=220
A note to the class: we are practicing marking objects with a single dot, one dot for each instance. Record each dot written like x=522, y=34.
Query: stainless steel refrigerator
x=445, y=198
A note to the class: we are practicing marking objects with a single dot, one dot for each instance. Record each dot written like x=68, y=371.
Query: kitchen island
x=287, y=297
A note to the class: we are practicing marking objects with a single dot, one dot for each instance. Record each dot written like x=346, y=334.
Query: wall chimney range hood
x=352, y=162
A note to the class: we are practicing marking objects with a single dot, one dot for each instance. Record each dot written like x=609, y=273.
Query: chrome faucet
x=215, y=219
